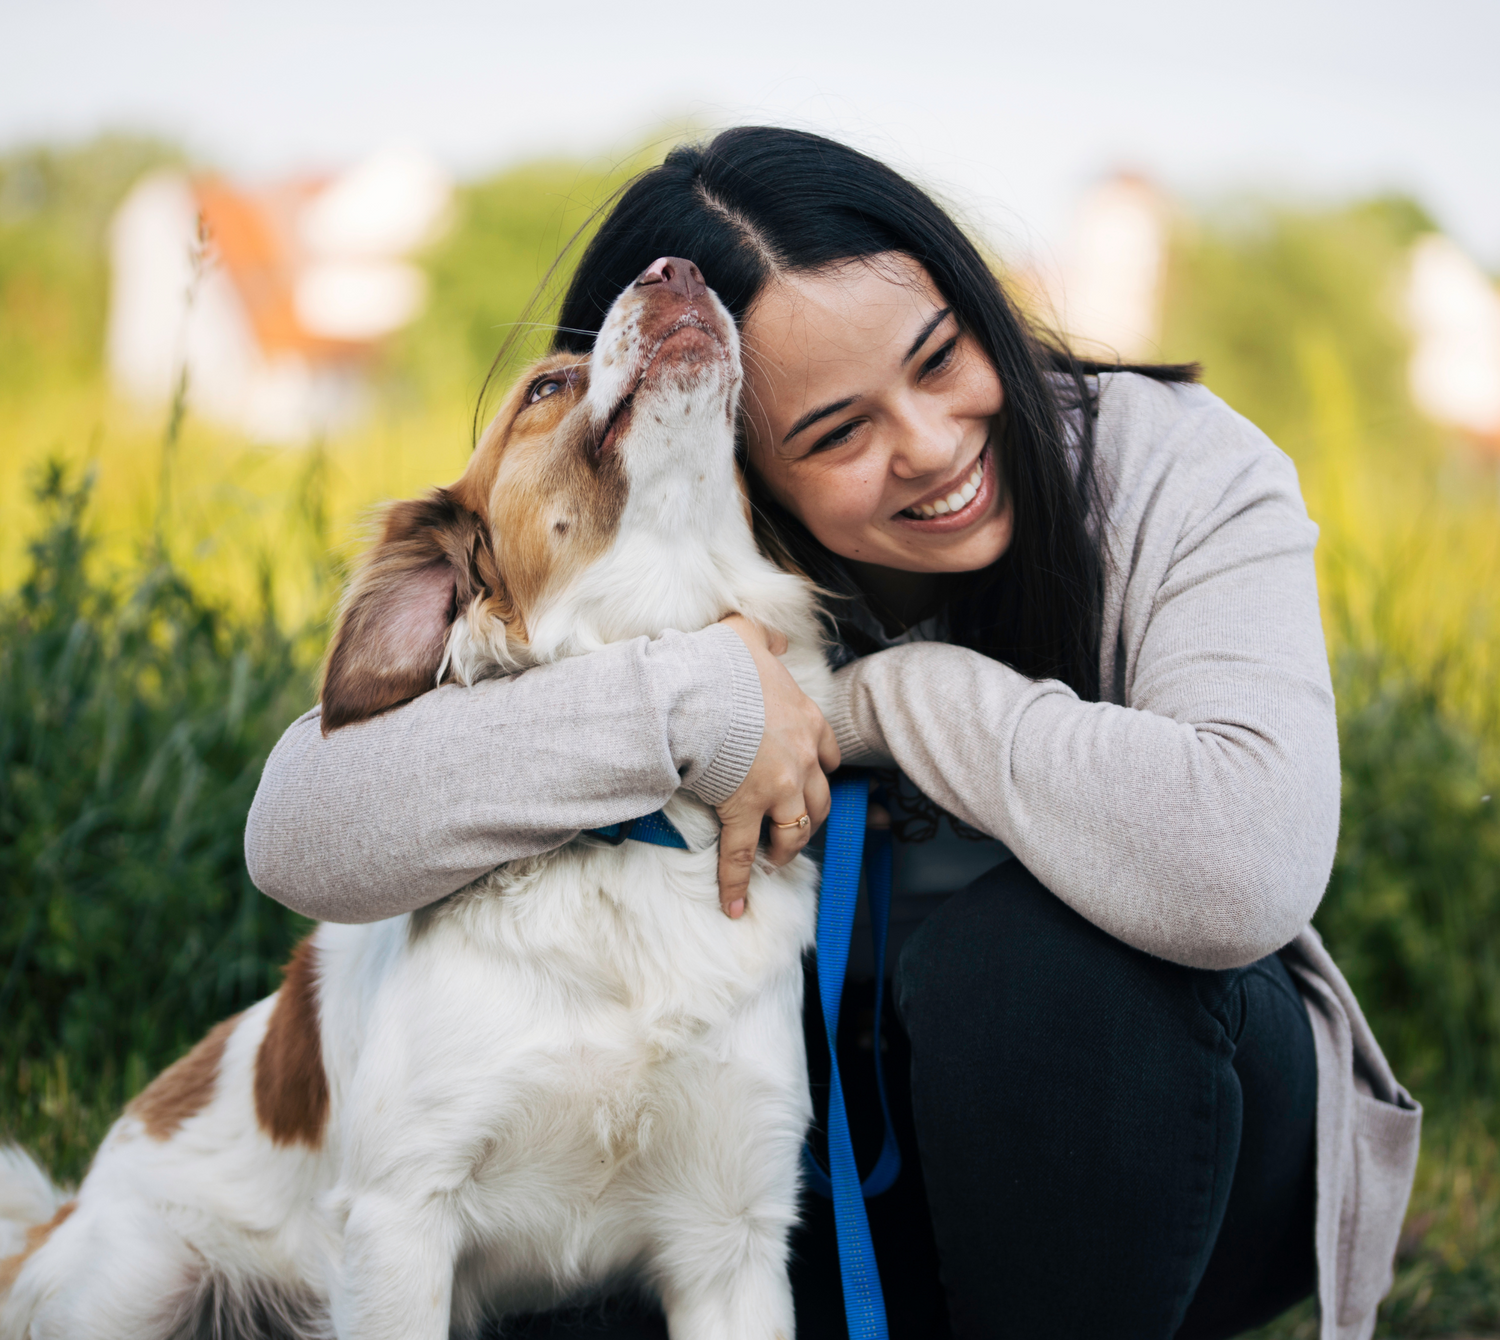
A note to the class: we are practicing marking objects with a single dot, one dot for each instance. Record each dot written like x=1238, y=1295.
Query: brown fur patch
x=538, y=502
x=432, y=559
x=184, y=1087
x=291, y=1088
x=556, y=509
x=36, y=1237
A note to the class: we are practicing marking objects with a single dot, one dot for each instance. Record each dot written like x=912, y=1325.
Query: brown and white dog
x=574, y=1072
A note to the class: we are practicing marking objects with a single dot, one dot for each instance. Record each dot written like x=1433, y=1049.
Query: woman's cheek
x=849, y=514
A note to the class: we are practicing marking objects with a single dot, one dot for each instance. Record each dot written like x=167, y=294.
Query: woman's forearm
x=1206, y=844
x=387, y=815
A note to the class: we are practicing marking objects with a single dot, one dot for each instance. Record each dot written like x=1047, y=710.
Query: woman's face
x=872, y=418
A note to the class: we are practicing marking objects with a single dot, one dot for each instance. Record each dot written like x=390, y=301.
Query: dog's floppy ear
x=433, y=557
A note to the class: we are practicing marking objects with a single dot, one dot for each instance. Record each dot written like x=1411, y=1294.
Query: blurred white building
x=1105, y=294
x=299, y=284
x=1454, y=311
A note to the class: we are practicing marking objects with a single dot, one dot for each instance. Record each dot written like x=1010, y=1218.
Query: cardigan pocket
x=1386, y=1137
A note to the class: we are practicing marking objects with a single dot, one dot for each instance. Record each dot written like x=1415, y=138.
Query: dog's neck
x=685, y=560
x=684, y=557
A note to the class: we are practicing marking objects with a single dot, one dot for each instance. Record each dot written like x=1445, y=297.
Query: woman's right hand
x=786, y=780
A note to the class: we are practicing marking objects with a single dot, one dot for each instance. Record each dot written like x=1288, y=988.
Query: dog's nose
x=680, y=276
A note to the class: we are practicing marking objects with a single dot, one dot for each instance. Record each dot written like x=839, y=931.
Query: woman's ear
x=433, y=557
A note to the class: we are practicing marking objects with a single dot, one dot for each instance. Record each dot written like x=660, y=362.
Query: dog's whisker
x=543, y=325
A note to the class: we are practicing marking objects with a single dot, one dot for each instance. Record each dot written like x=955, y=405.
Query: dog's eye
x=547, y=386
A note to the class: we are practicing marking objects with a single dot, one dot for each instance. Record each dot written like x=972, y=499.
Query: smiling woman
x=1078, y=631
x=893, y=466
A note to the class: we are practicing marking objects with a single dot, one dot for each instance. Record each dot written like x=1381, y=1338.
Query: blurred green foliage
x=134, y=720
x=55, y=206
x=1413, y=908
x=483, y=272
x=1251, y=286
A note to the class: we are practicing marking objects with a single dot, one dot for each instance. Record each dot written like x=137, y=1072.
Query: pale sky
x=1009, y=110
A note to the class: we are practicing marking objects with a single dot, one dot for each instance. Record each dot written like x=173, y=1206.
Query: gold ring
x=795, y=823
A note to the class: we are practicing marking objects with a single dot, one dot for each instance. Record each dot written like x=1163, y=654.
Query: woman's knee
x=1089, y=1083
x=1011, y=964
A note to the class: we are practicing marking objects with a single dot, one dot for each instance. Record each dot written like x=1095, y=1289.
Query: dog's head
x=602, y=503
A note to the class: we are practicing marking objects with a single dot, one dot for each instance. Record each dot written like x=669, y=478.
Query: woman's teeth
x=954, y=502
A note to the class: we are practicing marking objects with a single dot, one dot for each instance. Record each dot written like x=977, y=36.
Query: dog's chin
x=690, y=343
x=689, y=359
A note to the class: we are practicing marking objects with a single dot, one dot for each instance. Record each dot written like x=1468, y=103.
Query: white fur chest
x=556, y=1044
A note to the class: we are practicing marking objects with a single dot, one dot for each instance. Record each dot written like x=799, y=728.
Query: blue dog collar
x=655, y=829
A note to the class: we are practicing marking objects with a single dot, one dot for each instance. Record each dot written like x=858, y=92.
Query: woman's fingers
x=738, y=840
x=740, y=837
x=829, y=753
x=811, y=804
x=819, y=798
x=790, y=834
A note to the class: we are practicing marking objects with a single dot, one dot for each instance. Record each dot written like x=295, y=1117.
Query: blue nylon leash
x=843, y=854
x=843, y=851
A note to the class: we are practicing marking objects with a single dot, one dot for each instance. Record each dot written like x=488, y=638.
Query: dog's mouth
x=690, y=325
x=617, y=423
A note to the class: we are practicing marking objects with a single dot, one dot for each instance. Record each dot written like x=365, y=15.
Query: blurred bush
x=1251, y=284
x=1413, y=909
x=483, y=274
x=55, y=206
x=134, y=720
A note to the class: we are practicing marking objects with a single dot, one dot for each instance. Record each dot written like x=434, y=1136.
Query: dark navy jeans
x=1097, y=1143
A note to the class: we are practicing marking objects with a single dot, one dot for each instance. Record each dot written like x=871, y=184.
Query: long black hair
x=757, y=201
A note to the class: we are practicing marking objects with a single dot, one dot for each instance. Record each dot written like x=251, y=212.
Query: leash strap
x=864, y=1304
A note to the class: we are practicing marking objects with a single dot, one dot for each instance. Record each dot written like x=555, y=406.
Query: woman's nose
x=925, y=443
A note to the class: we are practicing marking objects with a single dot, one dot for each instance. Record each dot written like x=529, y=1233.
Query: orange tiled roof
x=253, y=239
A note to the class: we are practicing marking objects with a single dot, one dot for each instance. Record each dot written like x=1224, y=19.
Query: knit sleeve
x=392, y=813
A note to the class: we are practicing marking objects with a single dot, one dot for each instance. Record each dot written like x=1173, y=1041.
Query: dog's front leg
x=396, y=1278
x=736, y=1289
x=729, y=1185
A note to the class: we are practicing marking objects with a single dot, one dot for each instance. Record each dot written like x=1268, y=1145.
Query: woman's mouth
x=967, y=496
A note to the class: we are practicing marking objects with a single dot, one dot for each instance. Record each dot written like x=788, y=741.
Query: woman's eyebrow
x=926, y=333
x=812, y=416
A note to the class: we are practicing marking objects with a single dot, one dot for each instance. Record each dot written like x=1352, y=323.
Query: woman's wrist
x=727, y=748
x=852, y=718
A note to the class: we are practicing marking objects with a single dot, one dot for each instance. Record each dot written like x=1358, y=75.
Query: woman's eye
x=837, y=438
x=940, y=359
x=545, y=388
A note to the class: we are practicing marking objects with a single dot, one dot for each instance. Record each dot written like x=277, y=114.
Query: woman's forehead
x=867, y=295
x=815, y=337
